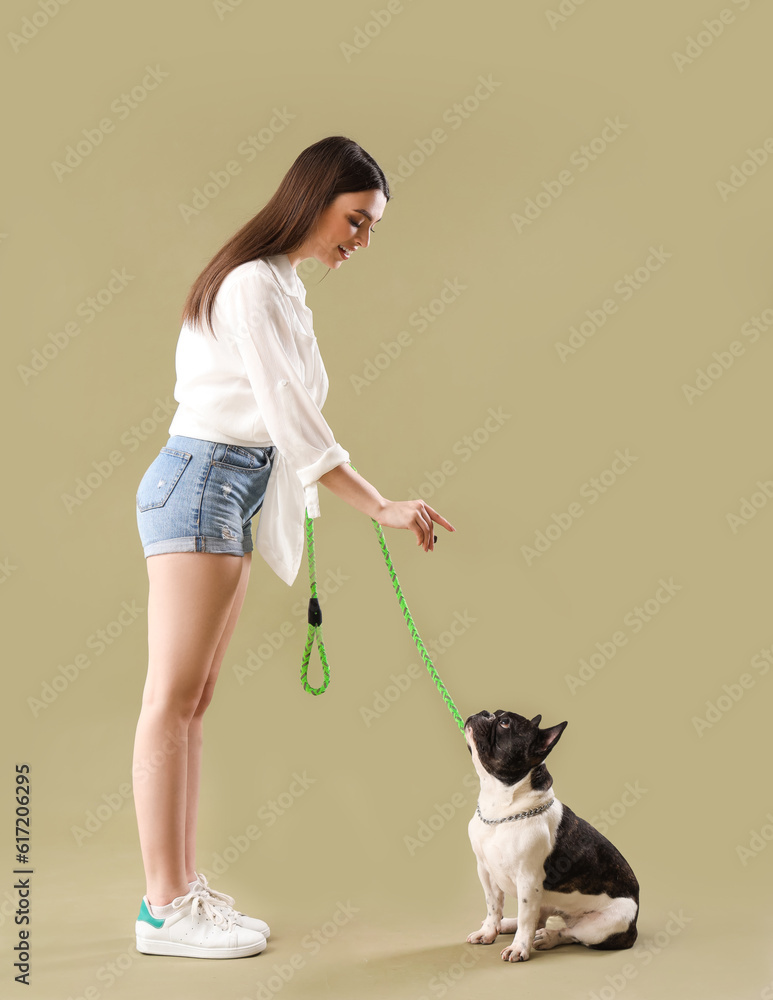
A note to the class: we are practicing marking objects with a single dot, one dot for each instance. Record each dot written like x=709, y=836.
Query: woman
x=248, y=435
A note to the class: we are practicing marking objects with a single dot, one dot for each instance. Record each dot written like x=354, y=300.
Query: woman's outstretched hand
x=415, y=515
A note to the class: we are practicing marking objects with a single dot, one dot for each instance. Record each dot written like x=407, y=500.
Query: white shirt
x=262, y=382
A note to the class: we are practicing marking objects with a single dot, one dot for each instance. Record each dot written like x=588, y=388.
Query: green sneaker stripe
x=147, y=916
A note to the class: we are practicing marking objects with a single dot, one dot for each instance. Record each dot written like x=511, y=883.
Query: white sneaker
x=193, y=928
x=225, y=904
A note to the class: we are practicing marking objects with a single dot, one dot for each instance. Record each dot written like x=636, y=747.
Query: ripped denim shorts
x=201, y=496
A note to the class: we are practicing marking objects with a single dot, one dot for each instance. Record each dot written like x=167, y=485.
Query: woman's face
x=346, y=222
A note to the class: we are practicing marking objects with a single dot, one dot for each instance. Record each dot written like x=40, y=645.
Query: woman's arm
x=351, y=487
x=415, y=515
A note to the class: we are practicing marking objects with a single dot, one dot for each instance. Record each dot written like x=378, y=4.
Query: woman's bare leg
x=196, y=726
x=189, y=603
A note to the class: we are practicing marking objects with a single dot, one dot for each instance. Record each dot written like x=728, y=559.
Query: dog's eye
x=504, y=723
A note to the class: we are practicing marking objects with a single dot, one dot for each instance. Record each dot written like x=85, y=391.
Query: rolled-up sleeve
x=258, y=317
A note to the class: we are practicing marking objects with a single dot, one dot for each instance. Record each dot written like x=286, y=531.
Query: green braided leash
x=315, y=619
x=316, y=629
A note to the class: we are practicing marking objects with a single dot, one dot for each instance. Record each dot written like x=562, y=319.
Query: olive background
x=574, y=267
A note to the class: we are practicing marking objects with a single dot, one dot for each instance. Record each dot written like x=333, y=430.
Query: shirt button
x=283, y=381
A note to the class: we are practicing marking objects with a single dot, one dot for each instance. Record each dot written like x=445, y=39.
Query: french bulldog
x=530, y=846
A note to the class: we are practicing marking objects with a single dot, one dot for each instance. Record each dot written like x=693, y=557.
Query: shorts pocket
x=161, y=478
x=246, y=459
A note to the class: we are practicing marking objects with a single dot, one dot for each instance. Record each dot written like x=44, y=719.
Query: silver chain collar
x=523, y=815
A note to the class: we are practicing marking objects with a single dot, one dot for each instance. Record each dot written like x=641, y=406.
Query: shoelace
x=200, y=903
x=221, y=898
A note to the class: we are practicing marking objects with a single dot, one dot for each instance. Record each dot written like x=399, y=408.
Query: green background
x=696, y=832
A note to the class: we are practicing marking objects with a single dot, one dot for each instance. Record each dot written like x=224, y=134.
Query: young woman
x=248, y=435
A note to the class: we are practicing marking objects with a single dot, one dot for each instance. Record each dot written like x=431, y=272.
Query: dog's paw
x=544, y=938
x=515, y=952
x=486, y=935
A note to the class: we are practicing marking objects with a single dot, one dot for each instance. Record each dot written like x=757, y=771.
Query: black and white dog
x=532, y=847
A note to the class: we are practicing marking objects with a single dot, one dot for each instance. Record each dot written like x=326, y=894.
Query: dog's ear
x=546, y=739
x=536, y=720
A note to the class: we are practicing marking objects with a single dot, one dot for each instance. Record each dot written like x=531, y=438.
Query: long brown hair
x=335, y=165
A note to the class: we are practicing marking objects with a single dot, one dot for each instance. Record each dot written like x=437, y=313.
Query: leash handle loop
x=315, y=620
x=315, y=623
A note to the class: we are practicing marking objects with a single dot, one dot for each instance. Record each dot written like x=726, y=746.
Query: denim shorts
x=201, y=496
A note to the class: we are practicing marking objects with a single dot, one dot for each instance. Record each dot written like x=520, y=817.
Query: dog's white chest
x=509, y=850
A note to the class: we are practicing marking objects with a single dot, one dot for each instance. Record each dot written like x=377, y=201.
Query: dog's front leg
x=495, y=901
x=529, y=906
